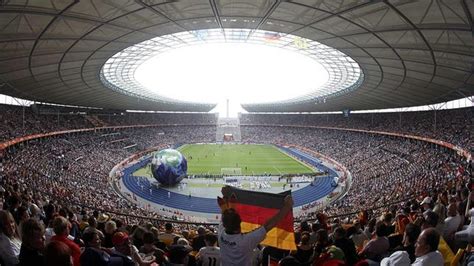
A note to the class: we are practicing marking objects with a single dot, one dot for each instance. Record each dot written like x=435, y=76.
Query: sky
x=242, y=73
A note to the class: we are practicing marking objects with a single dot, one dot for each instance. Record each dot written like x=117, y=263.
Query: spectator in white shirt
x=426, y=249
x=451, y=223
x=10, y=242
x=237, y=247
x=209, y=255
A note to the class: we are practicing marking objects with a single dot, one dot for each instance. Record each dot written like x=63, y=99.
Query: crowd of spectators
x=159, y=119
x=384, y=169
x=452, y=125
x=408, y=201
x=16, y=121
x=76, y=167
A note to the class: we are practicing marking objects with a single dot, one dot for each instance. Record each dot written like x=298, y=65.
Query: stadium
x=98, y=167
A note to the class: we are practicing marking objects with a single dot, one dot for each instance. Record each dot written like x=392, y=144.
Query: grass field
x=244, y=159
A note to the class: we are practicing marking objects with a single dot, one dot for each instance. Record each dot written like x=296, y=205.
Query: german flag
x=255, y=208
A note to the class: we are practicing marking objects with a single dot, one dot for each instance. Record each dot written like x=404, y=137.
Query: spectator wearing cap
x=426, y=204
x=426, y=251
x=101, y=220
x=61, y=229
x=122, y=252
x=33, y=243
x=168, y=236
x=125, y=254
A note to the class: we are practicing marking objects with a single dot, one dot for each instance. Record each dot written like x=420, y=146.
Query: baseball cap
x=119, y=238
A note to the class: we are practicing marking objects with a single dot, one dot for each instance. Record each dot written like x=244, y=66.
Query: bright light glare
x=242, y=73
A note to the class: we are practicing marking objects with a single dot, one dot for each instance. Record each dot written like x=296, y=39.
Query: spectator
x=322, y=241
x=93, y=253
x=377, y=248
x=431, y=221
x=179, y=255
x=304, y=251
x=33, y=243
x=58, y=254
x=198, y=241
x=110, y=229
x=237, y=248
x=10, y=244
x=125, y=254
x=123, y=250
x=358, y=236
x=314, y=229
x=451, y=224
x=412, y=231
x=426, y=251
x=93, y=227
x=346, y=245
x=168, y=236
x=209, y=255
x=149, y=248
x=61, y=229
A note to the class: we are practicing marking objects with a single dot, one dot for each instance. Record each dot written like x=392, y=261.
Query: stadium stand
x=410, y=193
x=67, y=174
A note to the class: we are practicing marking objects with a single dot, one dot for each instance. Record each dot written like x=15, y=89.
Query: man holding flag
x=247, y=217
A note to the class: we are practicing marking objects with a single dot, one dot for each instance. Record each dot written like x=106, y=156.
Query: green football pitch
x=236, y=159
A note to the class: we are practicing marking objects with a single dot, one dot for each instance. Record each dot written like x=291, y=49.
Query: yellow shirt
x=446, y=251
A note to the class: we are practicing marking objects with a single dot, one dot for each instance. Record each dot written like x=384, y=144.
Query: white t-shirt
x=238, y=249
x=210, y=256
x=9, y=249
x=451, y=225
x=431, y=259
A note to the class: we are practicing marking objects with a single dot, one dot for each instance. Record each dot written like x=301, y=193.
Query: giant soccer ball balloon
x=168, y=167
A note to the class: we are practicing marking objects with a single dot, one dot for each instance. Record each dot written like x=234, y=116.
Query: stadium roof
x=410, y=52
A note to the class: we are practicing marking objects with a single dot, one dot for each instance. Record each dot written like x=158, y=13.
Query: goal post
x=231, y=171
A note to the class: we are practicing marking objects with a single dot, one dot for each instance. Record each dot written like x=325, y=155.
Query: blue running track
x=321, y=188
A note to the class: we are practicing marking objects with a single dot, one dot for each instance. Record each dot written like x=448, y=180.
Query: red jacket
x=75, y=249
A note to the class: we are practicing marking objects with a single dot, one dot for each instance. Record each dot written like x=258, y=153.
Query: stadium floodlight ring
x=345, y=75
